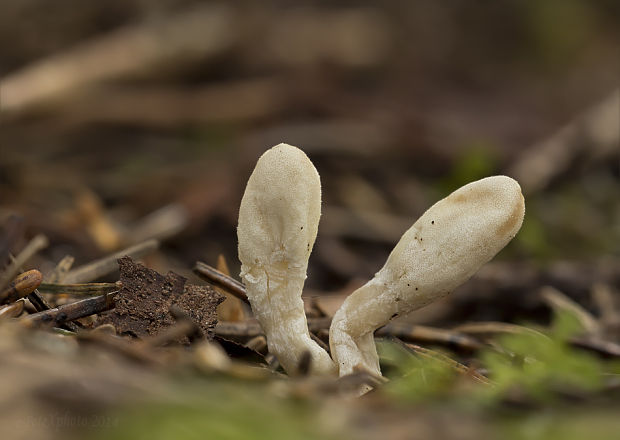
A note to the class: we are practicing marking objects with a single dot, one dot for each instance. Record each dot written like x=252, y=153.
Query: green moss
x=539, y=366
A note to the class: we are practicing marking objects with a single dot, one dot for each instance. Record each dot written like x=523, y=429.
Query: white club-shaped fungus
x=445, y=247
x=278, y=223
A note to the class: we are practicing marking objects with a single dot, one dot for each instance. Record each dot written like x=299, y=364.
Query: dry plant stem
x=106, y=265
x=60, y=271
x=38, y=243
x=421, y=333
x=232, y=308
x=161, y=224
x=81, y=289
x=278, y=224
x=594, y=134
x=560, y=302
x=217, y=278
x=70, y=312
x=409, y=333
x=605, y=348
x=23, y=285
x=440, y=357
x=443, y=249
x=38, y=301
x=250, y=329
x=492, y=327
x=603, y=296
x=12, y=310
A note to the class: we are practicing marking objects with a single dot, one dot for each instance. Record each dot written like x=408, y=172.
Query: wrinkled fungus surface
x=444, y=248
x=278, y=223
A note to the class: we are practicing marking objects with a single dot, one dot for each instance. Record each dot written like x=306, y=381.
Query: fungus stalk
x=278, y=223
x=443, y=249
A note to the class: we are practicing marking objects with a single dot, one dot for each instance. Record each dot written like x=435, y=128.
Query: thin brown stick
x=70, y=312
x=606, y=349
x=558, y=301
x=492, y=327
x=81, y=289
x=106, y=265
x=219, y=279
x=12, y=310
x=455, y=365
x=250, y=329
x=420, y=333
x=35, y=245
x=39, y=303
x=409, y=333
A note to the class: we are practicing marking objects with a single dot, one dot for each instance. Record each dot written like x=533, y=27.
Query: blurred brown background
x=123, y=120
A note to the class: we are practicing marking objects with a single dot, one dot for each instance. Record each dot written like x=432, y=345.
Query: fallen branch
x=70, y=312
x=222, y=280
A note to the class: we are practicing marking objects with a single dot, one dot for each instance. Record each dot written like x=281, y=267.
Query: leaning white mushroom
x=278, y=223
x=445, y=247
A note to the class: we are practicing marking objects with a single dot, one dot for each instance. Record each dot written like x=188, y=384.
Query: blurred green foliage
x=539, y=367
x=220, y=408
x=534, y=366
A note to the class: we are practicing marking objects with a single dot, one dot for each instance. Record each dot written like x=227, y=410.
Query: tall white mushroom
x=278, y=223
x=445, y=247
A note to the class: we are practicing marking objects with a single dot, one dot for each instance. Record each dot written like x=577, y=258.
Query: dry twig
x=60, y=271
x=70, y=312
x=35, y=245
x=217, y=278
x=81, y=289
x=106, y=265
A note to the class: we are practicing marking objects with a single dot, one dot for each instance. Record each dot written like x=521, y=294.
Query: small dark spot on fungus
x=408, y=284
x=432, y=222
x=301, y=228
x=416, y=288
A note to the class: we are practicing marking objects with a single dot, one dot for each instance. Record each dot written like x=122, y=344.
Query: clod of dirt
x=200, y=303
x=143, y=304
